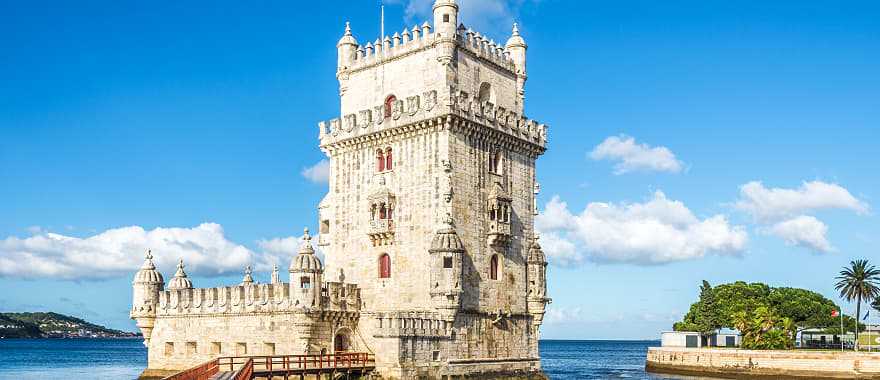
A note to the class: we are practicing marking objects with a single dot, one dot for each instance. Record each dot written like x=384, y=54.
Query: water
x=100, y=359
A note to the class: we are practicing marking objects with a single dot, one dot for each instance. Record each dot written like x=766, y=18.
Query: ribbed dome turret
x=516, y=39
x=536, y=254
x=148, y=273
x=446, y=239
x=306, y=260
x=347, y=38
x=180, y=280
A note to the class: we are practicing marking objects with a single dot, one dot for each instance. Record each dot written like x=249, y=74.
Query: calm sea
x=26, y=359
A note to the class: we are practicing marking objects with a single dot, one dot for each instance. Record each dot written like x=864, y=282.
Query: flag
x=834, y=313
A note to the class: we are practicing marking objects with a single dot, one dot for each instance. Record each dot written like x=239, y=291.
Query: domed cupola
x=446, y=257
x=446, y=239
x=306, y=261
x=180, y=280
x=306, y=273
x=148, y=273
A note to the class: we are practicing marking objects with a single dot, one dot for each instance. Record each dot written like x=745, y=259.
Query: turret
x=147, y=284
x=346, y=49
x=180, y=280
x=537, y=276
x=516, y=47
x=306, y=274
x=446, y=256
x=445, y=18
x=445, y=25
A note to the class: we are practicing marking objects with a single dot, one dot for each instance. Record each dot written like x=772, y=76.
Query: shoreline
x=771, y=364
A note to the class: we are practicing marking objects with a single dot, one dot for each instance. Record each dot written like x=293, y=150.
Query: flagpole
x=841, y=329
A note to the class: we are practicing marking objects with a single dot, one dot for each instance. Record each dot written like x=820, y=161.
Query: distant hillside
x=53, y=325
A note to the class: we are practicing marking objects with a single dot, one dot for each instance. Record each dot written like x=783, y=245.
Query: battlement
x=418, y=108
x=417, y=39
x=253, y=298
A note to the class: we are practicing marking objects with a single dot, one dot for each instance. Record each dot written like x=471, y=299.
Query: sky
x=688, y=140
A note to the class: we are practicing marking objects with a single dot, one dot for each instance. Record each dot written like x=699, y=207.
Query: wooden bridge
x=332, y=366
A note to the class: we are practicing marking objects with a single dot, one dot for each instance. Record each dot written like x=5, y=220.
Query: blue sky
x=689, y=140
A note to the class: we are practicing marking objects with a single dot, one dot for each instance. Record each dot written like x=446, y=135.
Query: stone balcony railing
x=381, y=231
x=323, y=240
x=499, y=233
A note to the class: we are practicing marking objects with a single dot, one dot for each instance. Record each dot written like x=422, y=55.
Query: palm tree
x=860, y=282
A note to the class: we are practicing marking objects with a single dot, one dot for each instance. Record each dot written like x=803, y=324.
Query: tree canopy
x=718, y=306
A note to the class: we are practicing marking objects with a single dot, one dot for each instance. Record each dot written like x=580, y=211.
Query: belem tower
x=431, y=260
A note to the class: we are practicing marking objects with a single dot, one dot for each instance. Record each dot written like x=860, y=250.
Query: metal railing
x=298, y=363
x=203, y=371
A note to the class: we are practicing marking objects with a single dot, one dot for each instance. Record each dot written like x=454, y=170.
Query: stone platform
x=752, y=364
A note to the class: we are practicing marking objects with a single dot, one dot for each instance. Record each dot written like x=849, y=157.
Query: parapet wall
x=792, y=364
x=253, y=298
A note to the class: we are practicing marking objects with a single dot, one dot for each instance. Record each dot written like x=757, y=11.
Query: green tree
x=805, y=308
x=858, y=282
x=764, y=329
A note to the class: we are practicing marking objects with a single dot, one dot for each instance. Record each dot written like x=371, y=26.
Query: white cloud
x=317, y=173
x=778, y=203
x=119, y=252
x=804, y=231
x=658, y=231
x=633, y=157
x=484, y=16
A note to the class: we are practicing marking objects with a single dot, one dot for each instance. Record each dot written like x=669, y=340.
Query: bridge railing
x=246, y=372
x=290, y=363
x=203, y=371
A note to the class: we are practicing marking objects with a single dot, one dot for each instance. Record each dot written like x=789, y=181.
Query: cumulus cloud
x=658, y=231
x=804, y=231
x=317, y=173
x=785, y=212
x=631, y=156
x=119, y=252
x=485, y=16
x=778, y=203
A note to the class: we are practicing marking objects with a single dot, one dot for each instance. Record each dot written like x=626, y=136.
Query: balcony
x=381, y=231
x=324, y=240
x=499, y=233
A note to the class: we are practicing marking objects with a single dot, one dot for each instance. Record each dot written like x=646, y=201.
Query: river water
x=27, y=359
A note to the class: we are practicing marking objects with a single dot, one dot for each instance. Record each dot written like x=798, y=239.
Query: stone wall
x=734, y=363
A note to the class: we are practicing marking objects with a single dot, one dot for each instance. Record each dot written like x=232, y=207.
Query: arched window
x=380, y=161
x=389, y=161
x=383, y=211
x=389, y=105
x=305, y=283
x=493, y=267
x=384, y=266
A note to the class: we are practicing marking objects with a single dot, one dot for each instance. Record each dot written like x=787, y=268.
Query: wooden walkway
x=287, y=367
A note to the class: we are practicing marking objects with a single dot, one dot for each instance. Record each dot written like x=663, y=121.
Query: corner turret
x=446, y=261
x=516, y=47
x=346, y=49
x=537, y=276
x=445, y=18
x=306, y=272
x=147, y=284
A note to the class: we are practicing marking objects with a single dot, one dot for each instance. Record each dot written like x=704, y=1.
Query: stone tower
x=430, y=209
x=147, y=284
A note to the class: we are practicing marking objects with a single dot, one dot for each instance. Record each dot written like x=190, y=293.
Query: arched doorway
x=342, y=341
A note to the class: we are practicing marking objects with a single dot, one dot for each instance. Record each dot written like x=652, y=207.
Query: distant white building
x=692, y=339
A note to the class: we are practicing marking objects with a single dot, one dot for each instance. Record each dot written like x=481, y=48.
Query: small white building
x=692, y=339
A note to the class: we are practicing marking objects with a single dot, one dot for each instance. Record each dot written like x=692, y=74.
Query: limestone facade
x=431, y=258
